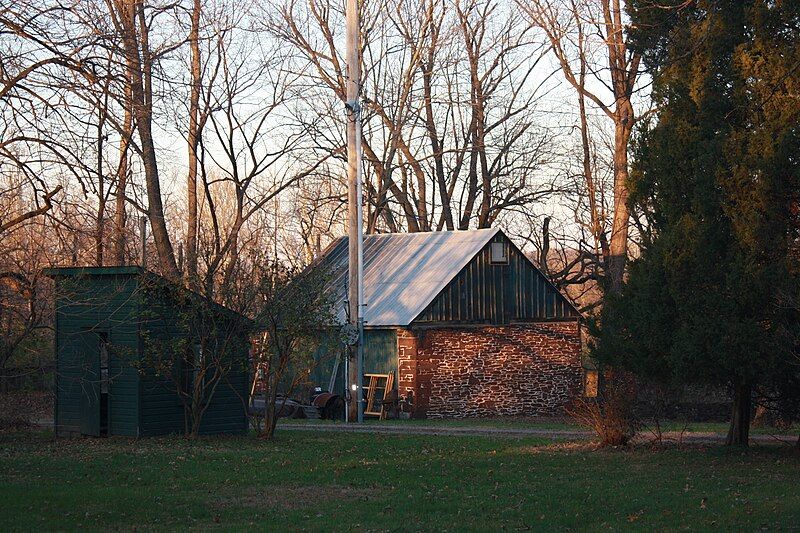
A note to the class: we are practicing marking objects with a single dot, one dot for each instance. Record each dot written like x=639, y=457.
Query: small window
x=590, y=379
x=499, y=253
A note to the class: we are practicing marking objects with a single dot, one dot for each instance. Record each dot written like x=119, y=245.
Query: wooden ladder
x=379, y=386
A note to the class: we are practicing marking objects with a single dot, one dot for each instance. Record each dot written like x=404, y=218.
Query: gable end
x=487, y=292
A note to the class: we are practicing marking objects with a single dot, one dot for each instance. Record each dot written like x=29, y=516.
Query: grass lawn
x=343, y=481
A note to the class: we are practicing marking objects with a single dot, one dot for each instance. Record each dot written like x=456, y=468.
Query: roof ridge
x=433, y=232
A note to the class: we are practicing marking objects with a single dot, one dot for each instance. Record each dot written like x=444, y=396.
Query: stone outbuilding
x=467, y=323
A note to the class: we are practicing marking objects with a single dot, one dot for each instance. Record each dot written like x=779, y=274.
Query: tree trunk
x=140, y=65
x=596, y=218
x=399, y=194
x=623, y=68
x=739, y=431
x=155, y=210
x=484, y=210
x=543, y=265
x=270, y=411
x=623, y=73
x=619, y=229
x=101, y=193
x=472, y=182
x=120, y=218
x=436, y=147
x=193, y=138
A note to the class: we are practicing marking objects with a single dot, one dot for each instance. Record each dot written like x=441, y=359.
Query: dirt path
x=477, y=431
x=470, y=431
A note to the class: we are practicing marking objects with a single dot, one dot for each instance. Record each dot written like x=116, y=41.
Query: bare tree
x=294, y=312
x=450, y=139
x=201, y=359
x=122, y=179
x=23, y=309
x=568, y=26
x=196, y=123
x=35, y=50
x=249, y=162
x=132, y=20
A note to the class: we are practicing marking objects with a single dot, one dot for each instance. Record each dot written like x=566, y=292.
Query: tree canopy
x=712, y=298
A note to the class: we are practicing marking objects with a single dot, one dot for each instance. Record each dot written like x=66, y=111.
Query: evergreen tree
x=716, y=176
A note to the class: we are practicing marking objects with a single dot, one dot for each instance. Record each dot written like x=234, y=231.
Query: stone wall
x=520, y=370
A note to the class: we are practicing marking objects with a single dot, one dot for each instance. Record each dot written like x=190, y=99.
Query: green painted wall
x=380, y=357
x=170, y=326
x=325, y=357
x=131, y=311
x=85, y=309
x=162, y=411
x=380, y=351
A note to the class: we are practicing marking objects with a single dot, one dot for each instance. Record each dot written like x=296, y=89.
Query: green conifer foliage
x=713, y=297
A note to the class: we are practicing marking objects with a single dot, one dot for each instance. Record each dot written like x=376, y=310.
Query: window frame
x=505, y=253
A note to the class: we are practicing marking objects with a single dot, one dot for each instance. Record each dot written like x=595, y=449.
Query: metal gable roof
x=403, y=272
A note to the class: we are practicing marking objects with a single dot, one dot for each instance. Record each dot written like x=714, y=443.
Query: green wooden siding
x=85, y=308
x=380, y=357
x=125, y=307
x=170, y=326
x=325, y=359
x=161, y=409
x=486, y=293
x=380, y=351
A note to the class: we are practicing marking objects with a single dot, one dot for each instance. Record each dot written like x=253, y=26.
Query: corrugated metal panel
x=403, y=273
x=445, y=276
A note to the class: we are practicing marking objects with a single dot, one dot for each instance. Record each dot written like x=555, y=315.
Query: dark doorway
x=95, y=408
x=105, y=419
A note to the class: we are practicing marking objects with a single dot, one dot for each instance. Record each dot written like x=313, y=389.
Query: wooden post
x=354, y=292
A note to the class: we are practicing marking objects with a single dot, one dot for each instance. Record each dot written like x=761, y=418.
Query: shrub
x=610, y=415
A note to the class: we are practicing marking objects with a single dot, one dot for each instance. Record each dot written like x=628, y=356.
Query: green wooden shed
x=137, y=355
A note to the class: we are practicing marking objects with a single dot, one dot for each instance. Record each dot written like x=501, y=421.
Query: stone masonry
x=521, y=370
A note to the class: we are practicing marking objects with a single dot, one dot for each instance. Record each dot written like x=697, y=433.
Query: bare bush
x=610, y=415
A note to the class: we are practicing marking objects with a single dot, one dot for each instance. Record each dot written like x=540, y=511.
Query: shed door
x=88, y=343
x=380, y=351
